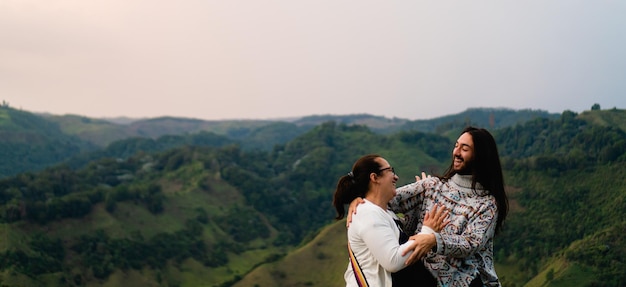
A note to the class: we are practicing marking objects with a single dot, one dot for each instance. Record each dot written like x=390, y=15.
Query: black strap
x=403, y=236
x=413, y=275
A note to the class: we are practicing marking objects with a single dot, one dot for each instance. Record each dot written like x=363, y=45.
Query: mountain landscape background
x=186, y=202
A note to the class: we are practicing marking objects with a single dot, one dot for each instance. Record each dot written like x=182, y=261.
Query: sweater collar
x=465, y=181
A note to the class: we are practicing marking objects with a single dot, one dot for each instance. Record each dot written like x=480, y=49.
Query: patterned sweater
x=465, y=246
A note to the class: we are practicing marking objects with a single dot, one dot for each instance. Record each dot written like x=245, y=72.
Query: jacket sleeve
x=380, y=238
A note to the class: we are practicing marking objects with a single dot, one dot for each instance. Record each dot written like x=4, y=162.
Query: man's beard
x=466, y=169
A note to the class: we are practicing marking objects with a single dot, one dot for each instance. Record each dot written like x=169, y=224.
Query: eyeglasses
x=388, y=168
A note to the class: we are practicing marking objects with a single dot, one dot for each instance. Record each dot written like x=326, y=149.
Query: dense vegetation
x=572, y=176
x=125, y=148
x=178, y=210
x=59, y=194
x=30, y=143
x=251, y=134
x=481, y=117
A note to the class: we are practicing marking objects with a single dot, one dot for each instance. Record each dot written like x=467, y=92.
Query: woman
x=374, y=238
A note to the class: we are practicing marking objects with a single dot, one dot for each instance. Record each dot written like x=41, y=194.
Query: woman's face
x=387, y=178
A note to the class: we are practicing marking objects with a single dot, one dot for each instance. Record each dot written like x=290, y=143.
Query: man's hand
x=352, y=209
x=424, y=176
x=422, y=244
x=436, y=218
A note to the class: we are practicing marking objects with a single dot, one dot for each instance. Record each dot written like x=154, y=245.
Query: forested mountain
x=39, y=141
x=102, y=133
x=201, y=210
x=568, y=180
x=125, y=148
x=29, y=142
x=490, y=118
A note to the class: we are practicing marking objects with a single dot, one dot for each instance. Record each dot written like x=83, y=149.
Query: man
x=472, y=189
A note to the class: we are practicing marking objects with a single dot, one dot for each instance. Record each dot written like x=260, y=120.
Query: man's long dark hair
x=486, y=170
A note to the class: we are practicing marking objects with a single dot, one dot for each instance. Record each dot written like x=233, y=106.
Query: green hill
x=98, y=132
x=490, y=118
x=266, y=133
x=161, y=220
x=596, y=260
x=125, y=148
x=30, y=143
x=321, y=262
x=613, y=117
x=103, y=132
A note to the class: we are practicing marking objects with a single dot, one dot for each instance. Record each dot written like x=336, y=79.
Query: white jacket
x=373, y=236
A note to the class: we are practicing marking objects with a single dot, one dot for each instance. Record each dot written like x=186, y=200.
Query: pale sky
x=235, y=59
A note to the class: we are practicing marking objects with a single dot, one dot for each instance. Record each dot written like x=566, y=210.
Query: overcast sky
x=233, y=59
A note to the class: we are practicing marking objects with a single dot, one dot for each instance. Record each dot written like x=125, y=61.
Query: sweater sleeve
x=407, y=197
x=479, y=229
x=378, y=234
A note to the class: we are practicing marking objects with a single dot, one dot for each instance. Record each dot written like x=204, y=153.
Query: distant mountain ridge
x=89, y=129
x=71, y=135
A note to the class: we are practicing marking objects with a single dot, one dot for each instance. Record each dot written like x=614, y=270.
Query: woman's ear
x=373, y=177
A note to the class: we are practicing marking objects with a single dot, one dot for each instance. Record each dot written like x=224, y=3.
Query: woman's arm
x=379, y=235
x=420, y=246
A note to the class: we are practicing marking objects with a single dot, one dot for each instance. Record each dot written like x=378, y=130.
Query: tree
x=595, y=107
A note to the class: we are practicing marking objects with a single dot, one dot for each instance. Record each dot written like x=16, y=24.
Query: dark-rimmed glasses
x=388, y=168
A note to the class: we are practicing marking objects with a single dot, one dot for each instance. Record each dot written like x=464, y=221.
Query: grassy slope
x=98, y=132
x=616, y=118
x=560, y=273
x=321, y=262
x=596, y=248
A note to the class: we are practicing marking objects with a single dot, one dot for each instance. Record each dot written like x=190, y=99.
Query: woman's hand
x=436, y=218
x=352, y=209
x=422, y=244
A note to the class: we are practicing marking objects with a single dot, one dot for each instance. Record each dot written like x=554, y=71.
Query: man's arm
x=477, y=232
x=407, y=197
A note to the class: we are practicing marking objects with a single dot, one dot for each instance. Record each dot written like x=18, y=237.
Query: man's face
x=463, y=154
